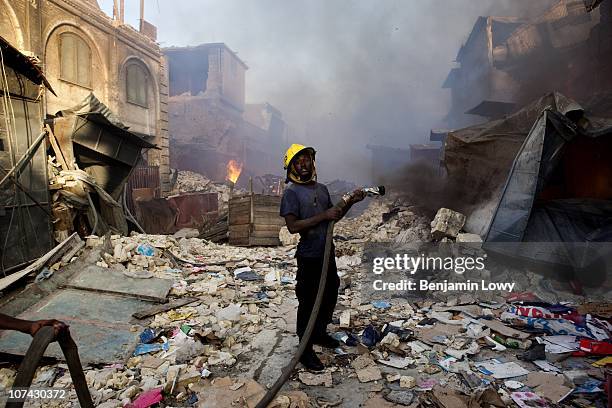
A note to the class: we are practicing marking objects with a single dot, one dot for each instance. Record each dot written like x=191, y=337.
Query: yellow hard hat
x=293, y=151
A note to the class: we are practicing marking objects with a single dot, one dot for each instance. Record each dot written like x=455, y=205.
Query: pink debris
x=146, y=399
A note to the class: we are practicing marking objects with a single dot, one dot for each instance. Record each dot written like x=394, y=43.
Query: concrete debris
x=447, y=223
x=370, y=373
x=404, y=398
x=470, y=238
x=407, y=381
x=392, y=377
x=191, y=182
x=287, y=238
x=324, y=379
x=233, y=337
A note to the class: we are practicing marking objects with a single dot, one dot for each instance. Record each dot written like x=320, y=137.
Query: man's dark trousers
x=308, y=276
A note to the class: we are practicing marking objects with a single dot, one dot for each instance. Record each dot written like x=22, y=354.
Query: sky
x=344, y=73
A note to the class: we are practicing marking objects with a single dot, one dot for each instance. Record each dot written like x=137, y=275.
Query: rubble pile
x=519, y=349
x=190, y=182
x=71, y=196
x=449, y=353
x=382, y=221
x=234, y=290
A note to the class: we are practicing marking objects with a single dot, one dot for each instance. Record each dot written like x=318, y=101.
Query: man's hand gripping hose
x=286, y=373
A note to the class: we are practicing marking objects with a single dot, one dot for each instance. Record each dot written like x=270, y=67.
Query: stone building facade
x=82, y=50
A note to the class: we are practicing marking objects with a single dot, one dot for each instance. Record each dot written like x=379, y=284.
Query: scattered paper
x=501, y=370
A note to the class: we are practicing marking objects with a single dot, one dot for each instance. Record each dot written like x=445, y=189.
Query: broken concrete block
x=465, y=237
x=398, y=397
x=370, y=373
x=110, y=404
x=148, y=383
x=432, y=369
x=362, y=361
x=447, y=223
x=407, y=381
x=288, y=238
x=393, y=377
x=345, y=319
x=172, y=374
x=391, y=340
x=222, y=358
x=7, y=377
x=130, y=392
x=188, y=377
x=231, y=313
x=102, y=377
x=93, y=241
x=324, y=379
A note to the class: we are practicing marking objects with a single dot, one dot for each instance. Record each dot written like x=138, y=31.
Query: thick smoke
x=345, y=74
x=421, y=184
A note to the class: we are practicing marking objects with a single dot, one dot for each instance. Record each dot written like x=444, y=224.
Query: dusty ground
x=232, y=343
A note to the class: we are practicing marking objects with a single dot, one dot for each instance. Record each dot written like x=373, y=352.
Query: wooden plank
x=39, y=263
x=239, y=241
x=239, y=200
x=76, y=247
x=266, y=227
x=239, y=231
x=59, y=155
x=272, y=209
x=141, y=314
x=63, y=134
x=254, y=234
x=266, y=199
x=243, y=207
x=264, y=241
x=239, y=227
x=265, y=220
x=265, y=234
x=233, y=235
x=239, y=219
x=268, y=218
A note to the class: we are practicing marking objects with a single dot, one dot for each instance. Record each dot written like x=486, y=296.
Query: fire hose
x=329, y=237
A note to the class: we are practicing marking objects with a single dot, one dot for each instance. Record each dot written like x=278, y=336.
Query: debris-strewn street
x=229, y=203
x=237, y=332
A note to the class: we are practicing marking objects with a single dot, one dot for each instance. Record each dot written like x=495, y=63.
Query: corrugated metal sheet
x=25, y=227
x=143, y=177
x=194, y=209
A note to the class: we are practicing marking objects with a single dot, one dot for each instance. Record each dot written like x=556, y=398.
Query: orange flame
x=234, y=169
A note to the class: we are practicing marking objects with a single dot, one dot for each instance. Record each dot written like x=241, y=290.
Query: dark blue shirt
x=305, y=201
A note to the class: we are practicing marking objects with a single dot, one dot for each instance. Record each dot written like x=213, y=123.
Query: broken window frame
x=132, y=97
x=81, y=52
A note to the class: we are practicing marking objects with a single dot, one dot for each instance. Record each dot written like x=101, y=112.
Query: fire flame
x=234, y=169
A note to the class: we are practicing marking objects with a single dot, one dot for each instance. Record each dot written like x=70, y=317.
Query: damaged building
x=85, y=51
x=453, y=287
x=86, y=55
x=507, y=62
x=210, y=123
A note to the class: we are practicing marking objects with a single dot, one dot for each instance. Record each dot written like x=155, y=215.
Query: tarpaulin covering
x=552, y=194
x=479, y=157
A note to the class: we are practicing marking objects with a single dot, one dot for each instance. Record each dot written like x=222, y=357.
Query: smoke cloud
x=344, y=74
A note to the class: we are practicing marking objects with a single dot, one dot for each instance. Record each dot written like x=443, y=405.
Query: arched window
x=75, y=60
x=137, y=85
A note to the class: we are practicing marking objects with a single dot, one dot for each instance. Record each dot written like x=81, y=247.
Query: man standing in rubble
x=307, y=209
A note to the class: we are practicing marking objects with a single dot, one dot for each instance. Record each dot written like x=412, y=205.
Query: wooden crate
x=254, y=220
